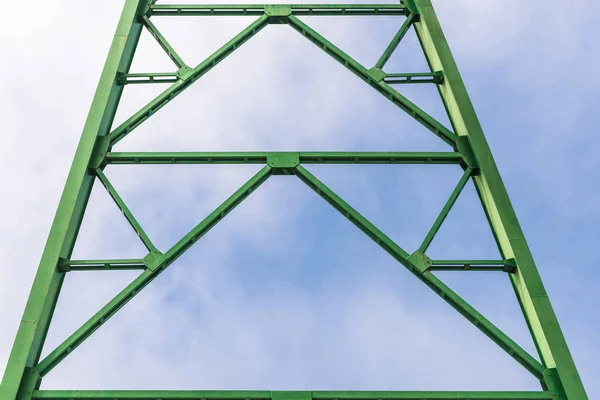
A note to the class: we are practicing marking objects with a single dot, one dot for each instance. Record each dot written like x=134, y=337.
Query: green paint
x=279, y=395
x=557, y=373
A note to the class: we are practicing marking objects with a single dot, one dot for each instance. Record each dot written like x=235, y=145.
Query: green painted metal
x=395, y=41
x=157, y=77
x=415, y=77
x=125, y=210
x=296, y=9
x=166, y=46
x=304, y=157
x=402, y=102
x=193, y=75
x=447, y=294
x=528, y=285
x=20, y=377
x=267, y=395
x=447, y=207
x=162, y=262
x=101, y=265
x=471, y=265
x=556, y=371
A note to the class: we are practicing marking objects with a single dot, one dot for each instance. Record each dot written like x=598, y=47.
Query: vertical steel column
x=561, y=377
x=21, y=378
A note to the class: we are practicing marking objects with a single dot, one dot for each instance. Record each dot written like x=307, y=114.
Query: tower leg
x=561, y=377
x=21, y=377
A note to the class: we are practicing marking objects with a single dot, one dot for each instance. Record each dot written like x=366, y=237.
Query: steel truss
x=556, y=371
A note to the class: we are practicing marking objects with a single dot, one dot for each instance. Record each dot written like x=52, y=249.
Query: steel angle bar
x=562, y=375
x=447, y=294
x=259, y=9
x=125, y=210
x=414, y=77
x=304, y=157
x=395, y=41
x=375, y=80
x=471, y=265
x=20, y=378
x=270, y=395
x=380, y=158
x=195, y=234
x=114, y=305
x=142, y=78
x=177, y=60
x=187, y=158
x=445, y=211
x=102, y=265
x=190, y=77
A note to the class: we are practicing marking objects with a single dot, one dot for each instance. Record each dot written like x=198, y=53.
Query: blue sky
x=285, y=293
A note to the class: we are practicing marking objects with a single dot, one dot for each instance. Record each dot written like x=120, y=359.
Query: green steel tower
x=468, y=148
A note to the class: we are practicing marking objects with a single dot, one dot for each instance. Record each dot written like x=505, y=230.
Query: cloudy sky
x=285, y=293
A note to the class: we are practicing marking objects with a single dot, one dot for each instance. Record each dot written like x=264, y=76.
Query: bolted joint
x=376, y=74
x=63, y=265
x=183, y=72
x=29, y=383
x=463, y=145
x=101, y=148
x=121, y=78
x=421, y=261
x=283, y=163
x=510, y=266
x=145, y=8
x=291, y=395
x=154, y=260
x=553, y=384
x=412, y=6
x=278, y=13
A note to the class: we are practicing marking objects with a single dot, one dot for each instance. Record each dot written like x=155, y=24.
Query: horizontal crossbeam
x=415, y=77
x=268, y=395
x=101, y=265
x=304, y=157
x=259, y=9
x=157, y=77
x=471, y=265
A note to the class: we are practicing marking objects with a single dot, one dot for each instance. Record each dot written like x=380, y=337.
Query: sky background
x=285, y=293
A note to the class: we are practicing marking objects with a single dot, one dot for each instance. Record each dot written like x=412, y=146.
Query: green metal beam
x=375, y=80
x=268, y=395
x=190, y=77
x=304, y=157
x=102, y=265
x=166, y=46
x=20, y=378
x=141, y=78
x=296, y=9
x=470, y=265
x=155, y=268
x=550, y=342
x=395, y=41
x=414, y=77
x=445, y=211
x=125, y=210
x=447, y=294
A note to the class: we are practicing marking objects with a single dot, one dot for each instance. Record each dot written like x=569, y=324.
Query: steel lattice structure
x=556, y=370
